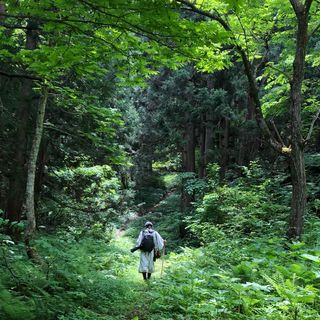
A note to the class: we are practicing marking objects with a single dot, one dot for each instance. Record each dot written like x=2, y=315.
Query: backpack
x=147, y=242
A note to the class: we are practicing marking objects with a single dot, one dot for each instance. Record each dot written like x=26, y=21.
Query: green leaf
x=311, y=257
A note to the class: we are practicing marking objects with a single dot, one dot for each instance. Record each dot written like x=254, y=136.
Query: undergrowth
x=242, y=267
x=86, y=279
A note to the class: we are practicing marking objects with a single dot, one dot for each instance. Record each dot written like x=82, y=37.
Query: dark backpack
x=147, y=242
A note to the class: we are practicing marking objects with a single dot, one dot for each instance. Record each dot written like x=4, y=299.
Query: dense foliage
x=201, y=116
x=244, y=268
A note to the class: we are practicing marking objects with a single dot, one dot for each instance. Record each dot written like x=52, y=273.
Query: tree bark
x=202, y=143
x=41, y=174
x=3, y=178
x=18, y=170
x=208, y=154
x=248, y=137
x=208, y=132
x=32, y=161
x=2, y=11
x=297, y=164
x=224, y=146
x=188, y=163
x=189, y=148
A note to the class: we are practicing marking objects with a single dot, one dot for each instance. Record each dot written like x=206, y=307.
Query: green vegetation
x=244, y=268
x=200, y=116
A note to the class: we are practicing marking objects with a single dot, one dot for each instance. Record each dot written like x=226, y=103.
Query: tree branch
x=19, y=75
x=253, y=90
x=63, y=20
x=315, y=118
x=210, y=15
x=15, y=26
x=297, y=6
x=120, y=23
x=52, y=127
x=307, y=5
x=277, y=132
x=244, y=32
x=280, y=71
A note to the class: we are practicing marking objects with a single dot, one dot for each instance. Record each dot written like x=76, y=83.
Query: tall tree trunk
x=225, y=150
x=208, y=132
x=18, y=170
x=32, y=162
x=298, y=201
x=248, y=138
x=40, y=176
x=189, y=148
x=2, y=177
x=188, y=164
x=202, y=143
x=297, y=164
x=208, y=154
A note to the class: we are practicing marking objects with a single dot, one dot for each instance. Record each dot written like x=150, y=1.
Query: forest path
x=141, y=296
x=126, y=242
x=142, y=212
x=135, y=303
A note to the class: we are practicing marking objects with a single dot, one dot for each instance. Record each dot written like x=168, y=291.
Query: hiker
x=149, y=242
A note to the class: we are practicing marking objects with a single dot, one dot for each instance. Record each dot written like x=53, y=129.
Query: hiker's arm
x=159, y=242
x=139, y=239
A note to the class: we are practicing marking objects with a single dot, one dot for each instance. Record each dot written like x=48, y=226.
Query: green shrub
x=83, y=196
x=13, y=307
x=257, y=278
x=239, y=208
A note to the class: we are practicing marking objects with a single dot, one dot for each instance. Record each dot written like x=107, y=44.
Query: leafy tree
x=245, y=33
x=57, y=43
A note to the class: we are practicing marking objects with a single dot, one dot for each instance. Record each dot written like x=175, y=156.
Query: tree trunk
x=248, y=137
x=208, y=155
x=224, y=153
x=208, y=152
x=298, y=201
x=298, y=175
x=41, y=174
x=18, y=170
x=188, y=164
x=189, y=148
x=3, y=179
x=32, y=161
x=202, y=143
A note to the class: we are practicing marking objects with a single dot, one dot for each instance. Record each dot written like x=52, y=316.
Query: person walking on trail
x=150, y=244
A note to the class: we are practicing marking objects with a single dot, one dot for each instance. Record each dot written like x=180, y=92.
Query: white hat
x=148, y=223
